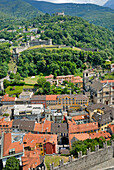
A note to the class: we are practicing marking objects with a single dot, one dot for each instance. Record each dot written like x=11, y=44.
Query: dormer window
x=12, y=151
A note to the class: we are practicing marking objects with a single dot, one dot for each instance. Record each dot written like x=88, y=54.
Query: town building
x=5, y=126
x=82, y=128
x=77, y=137
x=11, y=147
x=6, y=100
x=46, y=142
x=61, y=129
x=72, y=102
x=28, y=109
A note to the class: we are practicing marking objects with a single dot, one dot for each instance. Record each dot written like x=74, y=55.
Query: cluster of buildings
x=40, y=125
x=77, y=80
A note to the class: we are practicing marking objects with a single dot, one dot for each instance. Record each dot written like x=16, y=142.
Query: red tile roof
x=78, y=81
x=32, y=139
x=51, y=97
x=45, y=126
x=6, y=98
x=6, y=124
x=73, y=128
x=107, y=81
x=77, y=78
x=51, y=76
x=82, y=136
x=104, y=134
x=31, y=159
x=80, y=117
x=7, y=145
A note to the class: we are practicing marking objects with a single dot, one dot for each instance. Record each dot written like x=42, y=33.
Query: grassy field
x=12, y=65
x=13, y=90
x=31, y=80
x=109, y=76
x=51, y=47
x=50, y=159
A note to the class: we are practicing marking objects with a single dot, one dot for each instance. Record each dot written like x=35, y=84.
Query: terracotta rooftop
x=51, y=76
x=31, y=139
x=104, y=134
x=107, y=81
x=78, y=81
x=80, y=117
x=7, y=145
x=73, y=128
x=51, y=97
x=82, y=136
x=6, y=98
x=31, y=159
x=6, y=124
x=45, y=126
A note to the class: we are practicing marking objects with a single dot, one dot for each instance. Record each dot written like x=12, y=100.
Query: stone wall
x=87, y=161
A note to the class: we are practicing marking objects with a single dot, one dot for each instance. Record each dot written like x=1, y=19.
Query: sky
x=98, y=2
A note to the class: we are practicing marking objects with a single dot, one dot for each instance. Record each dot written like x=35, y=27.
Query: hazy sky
x=99, y=2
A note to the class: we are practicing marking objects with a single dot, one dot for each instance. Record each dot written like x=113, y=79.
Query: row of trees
x=86, y=144
x=58, y=61
x=45, y=87
x=5, y=56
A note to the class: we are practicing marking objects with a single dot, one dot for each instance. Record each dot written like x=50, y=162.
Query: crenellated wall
x=87, y=161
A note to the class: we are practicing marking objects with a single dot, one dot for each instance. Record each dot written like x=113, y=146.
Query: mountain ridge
x=93, y=13
x=110, y=4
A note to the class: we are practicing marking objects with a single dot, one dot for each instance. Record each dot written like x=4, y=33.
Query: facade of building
x=5, y=126
x=6, y=100
x=29, y=109
x=72, y=102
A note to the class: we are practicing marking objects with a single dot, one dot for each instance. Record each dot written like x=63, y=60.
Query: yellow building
x=72, y=102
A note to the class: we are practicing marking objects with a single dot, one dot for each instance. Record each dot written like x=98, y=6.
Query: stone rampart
x=87, y=161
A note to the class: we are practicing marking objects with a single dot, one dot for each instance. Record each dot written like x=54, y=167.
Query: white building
x=28, y=109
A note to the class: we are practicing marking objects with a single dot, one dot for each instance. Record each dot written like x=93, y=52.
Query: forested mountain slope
x=18, y=8
x=74, y=31
x=95, y=14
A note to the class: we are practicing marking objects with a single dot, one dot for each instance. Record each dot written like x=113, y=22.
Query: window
x=12, y=151
x=73, y=100
x=69, y=101
x=59, y=101
x=66, y=101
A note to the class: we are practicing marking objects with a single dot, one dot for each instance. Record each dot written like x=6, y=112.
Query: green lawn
x=109, y=76
x=50, y=159
x=31, y=80
x=13, y=90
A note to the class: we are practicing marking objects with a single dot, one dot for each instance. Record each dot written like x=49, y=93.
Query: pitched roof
x=107, y=81
x=38, y=97
x=51, y=76
x=24, y=124
x=7, y=145
x=51, y=97
x=78, y=81
x=78, y=97
x=82, y=136
x=45, y=126
x=6, y=124
x=99, y=106
x=6, y=98
x=32, y=139
x=111, y=126
x=73, y=128
x=104, y=134
x=96, y=85
x=80, y=117
x=59, y=128
x=31, y=159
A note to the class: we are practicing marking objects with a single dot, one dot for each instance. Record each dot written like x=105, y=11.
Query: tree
x=41, y=82
x=12, y=164
x=12, y=75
